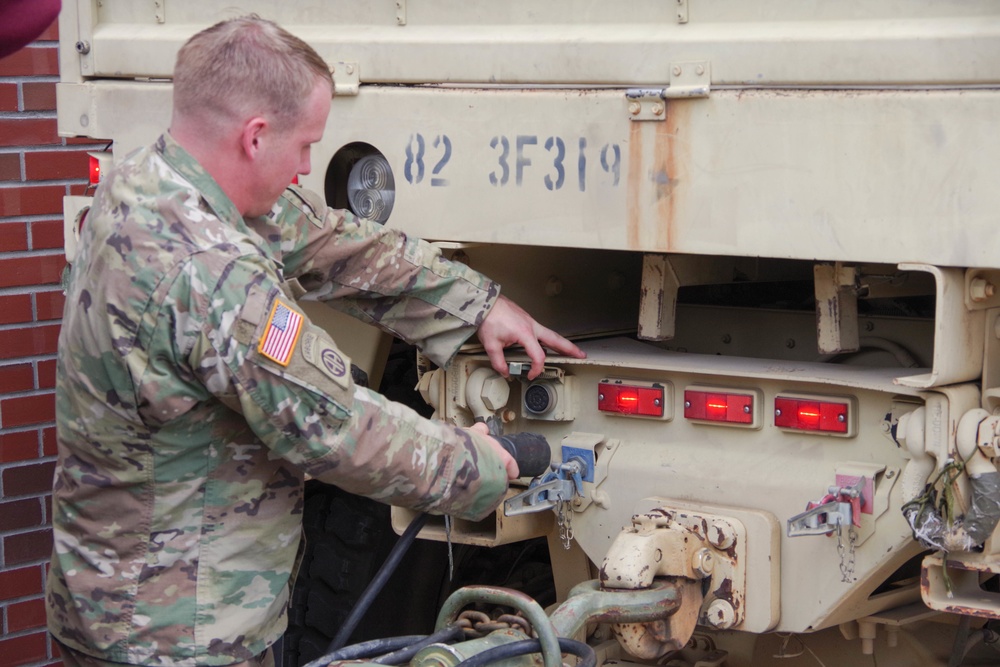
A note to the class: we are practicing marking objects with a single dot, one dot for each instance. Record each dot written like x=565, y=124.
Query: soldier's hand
x=508, y=461
x=508, y=324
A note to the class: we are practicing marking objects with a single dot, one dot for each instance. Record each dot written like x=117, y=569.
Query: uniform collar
x=181, y=161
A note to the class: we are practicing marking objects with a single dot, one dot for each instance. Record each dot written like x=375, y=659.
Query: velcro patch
x=327, y=359
x=281, y=333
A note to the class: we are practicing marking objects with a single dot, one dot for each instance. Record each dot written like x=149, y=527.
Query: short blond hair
x=245, y=67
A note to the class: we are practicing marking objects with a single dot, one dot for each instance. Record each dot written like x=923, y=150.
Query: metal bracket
x=692, y=79
x=836, y=308
x=658, y=298
x=346, y=78
x=400, y=12
x=682, y=11
x=160, y=10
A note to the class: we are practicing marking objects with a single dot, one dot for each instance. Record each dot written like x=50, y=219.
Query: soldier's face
x=288, y=152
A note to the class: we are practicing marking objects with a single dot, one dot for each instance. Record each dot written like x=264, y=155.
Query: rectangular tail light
x=822, y=415
x=633, y=398
x=724, y=407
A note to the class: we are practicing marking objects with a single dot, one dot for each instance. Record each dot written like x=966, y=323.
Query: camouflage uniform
x=193, y=394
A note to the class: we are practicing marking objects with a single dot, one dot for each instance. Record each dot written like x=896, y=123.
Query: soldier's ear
x=252, y=136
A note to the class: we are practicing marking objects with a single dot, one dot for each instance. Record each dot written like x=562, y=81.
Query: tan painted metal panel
x=634, y=43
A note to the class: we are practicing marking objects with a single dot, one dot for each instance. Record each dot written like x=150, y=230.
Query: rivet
x=350, y=69
x=634, y=108
x=699, y=70
x=657, y=109
x=677, y=70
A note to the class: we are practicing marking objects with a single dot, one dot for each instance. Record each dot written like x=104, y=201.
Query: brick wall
x=36, y=169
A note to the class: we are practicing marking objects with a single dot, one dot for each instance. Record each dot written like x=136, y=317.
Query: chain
x=847, y=553
x=564, y=520
x=478, y=624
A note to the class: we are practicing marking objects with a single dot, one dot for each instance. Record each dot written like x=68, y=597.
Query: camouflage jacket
x=194, y=394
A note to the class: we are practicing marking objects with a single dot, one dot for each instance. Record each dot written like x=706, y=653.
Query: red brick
x=20, y=583
x=29, y=341
x=25, y=271
x=47, y=235
x=18, y=447
x=31, y=60
x=10, y=163
x=34, y=478
x=94, y=144
x=26, y=410
x=51, y=33
x=31, y=200
x=49, y=447
x=49, y=305
x=22, y=650
x=38, y=95
x=13, y=236
x=26, y=547
x=28, y=131
x=16, y=377
x=47, y=374
x=81, y=189
x=15, y=308
x=8, y=97
x=20, y=514
x=52, y=165
x=26, y=615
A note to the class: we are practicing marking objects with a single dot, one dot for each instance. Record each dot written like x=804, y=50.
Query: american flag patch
x=280, y=334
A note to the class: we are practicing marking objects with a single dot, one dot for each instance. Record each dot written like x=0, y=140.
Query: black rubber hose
x=367, y=649
x=375, y=587
x=447, y=635
x=583, y=651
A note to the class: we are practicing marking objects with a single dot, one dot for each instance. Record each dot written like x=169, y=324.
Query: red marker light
x=813, y=414
x=95, y=170
x=638, y=399
x=721, y=406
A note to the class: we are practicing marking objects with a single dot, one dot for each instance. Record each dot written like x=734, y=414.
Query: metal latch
x=840, y=507
x=561, y=485
x=346, y=78
x=692, y=79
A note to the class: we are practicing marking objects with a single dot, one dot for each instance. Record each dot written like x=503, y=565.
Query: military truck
x=773, y=228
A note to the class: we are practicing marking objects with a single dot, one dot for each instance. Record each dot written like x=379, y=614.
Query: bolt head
x=634, y=108
x=677, y=70
x=721, y=614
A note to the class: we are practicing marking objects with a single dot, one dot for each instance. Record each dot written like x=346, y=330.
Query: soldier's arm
x=258, y=353
x=382, y=276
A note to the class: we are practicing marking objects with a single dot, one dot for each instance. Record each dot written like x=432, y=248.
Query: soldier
x=193, y=392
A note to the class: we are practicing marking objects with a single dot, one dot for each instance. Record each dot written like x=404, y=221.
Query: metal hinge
x=691, y=79
x=346, y=78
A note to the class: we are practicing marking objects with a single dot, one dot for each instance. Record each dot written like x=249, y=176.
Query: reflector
x=816, y=414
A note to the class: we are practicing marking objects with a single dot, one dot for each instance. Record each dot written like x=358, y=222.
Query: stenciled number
x=613, y=167
x=414, y=159
x=413, y=168
x=502, y=161
x=557, y=162
x=441, y=140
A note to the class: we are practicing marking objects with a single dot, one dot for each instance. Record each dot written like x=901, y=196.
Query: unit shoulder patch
x=329, y=360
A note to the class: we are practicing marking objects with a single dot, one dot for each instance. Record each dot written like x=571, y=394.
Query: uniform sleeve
x=260, y=354
x=381, y=276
